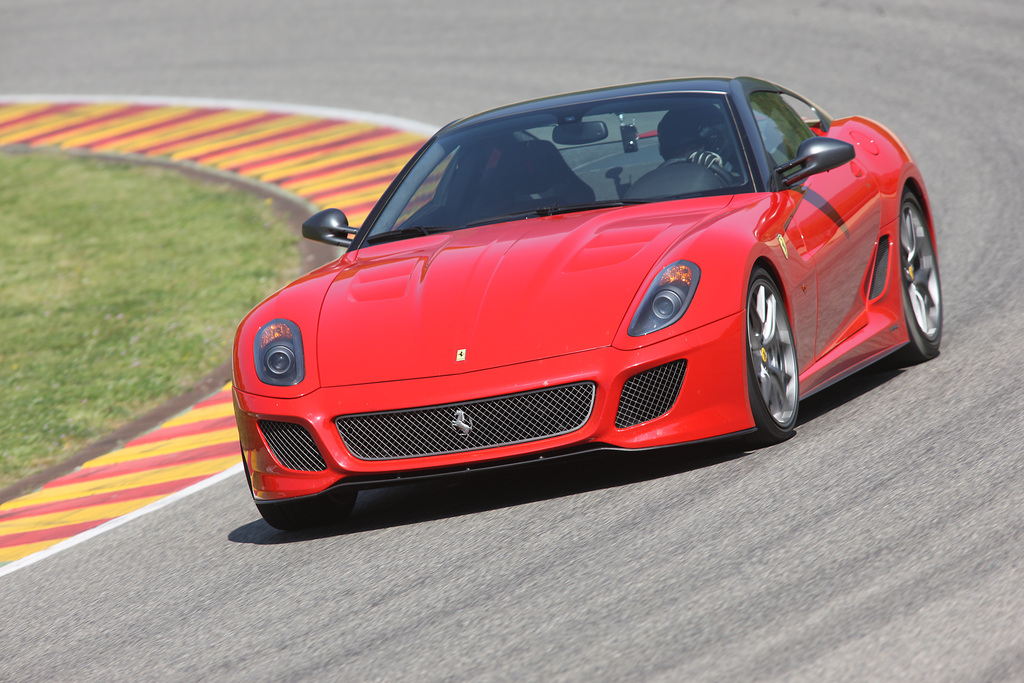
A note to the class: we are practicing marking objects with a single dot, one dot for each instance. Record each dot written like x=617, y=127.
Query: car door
x=838, y=220
x=835, y=223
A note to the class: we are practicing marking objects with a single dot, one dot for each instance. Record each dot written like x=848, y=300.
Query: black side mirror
x=815, y=155
x=329, y=226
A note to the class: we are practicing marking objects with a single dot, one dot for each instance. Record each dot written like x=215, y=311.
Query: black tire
x=920, y=286
x=306, y=513
x=772, y=374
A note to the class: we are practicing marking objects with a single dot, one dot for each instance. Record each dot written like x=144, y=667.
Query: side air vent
x=649, y=394
x=292, y=445
x=881, y=268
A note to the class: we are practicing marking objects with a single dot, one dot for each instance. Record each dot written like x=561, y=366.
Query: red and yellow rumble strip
x=183, y=451
x=330, y=162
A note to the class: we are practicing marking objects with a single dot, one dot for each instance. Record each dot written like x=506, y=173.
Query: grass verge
x=120, y=287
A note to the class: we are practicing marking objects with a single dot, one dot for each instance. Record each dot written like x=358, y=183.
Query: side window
x=426, y=192
x=781, y=129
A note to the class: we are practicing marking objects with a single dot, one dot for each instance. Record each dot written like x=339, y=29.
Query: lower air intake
x=468, y=426
x=292, y=445
x=650, y=394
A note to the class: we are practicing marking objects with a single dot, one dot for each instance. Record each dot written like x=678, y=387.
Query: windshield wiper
x=556, y=209
x=404, y=233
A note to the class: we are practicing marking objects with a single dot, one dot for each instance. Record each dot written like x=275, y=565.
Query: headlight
x=278, y=353
x=667, y=298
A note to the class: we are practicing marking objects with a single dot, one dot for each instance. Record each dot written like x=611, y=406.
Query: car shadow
x=480, y=491
x=475, y=492
x=841, y=393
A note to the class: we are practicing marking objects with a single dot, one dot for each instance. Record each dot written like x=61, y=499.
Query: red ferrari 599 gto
x=625, y=268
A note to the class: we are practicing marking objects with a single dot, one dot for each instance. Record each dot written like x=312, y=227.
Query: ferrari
x=620, y=269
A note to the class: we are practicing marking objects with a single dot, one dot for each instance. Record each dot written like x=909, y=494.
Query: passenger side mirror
x=329, y=226
x=815, y=155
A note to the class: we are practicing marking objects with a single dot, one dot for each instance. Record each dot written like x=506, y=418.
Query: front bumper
x=712, y=402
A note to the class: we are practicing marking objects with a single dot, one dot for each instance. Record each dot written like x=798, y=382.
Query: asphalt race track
x=885, y=541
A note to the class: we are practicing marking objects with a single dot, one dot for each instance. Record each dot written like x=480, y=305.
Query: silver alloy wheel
x=920, y=275
x=772, y=352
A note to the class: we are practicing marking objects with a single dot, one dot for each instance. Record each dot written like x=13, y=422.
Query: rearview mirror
x=329, y=226
x=579, y=132
x=815, y=155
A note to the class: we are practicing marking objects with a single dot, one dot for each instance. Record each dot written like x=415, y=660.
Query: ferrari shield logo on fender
x=782, y=243
x=463, y=422
x=460, y=355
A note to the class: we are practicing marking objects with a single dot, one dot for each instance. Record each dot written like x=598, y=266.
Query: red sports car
x=618, y=269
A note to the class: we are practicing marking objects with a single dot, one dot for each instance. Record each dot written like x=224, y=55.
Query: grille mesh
x=878, y=274
x=497, y=421
x=292, y=445
x=649, y=394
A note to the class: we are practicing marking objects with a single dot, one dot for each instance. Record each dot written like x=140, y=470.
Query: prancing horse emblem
x=463, y=422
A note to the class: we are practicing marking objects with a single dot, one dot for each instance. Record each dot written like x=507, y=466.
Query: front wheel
x=772, y=378
x=919, y=284
x=305, y=513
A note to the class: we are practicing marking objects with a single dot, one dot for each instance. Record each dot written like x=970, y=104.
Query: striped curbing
x=327, y=157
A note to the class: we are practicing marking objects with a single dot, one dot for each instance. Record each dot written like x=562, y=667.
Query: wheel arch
x=780, y=282
x=915, y=186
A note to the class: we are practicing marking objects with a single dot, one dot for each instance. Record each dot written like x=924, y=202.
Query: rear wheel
x=772, y=377
x=919, y=283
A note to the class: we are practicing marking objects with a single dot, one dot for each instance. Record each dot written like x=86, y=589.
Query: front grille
x=467, y=426
x=649, y=394
x=292, y=445
x=878, y=273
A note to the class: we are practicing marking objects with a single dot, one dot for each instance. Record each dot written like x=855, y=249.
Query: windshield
x=604, y=153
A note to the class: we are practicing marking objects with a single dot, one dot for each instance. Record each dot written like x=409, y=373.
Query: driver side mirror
x=815, y=155
x=329, y=226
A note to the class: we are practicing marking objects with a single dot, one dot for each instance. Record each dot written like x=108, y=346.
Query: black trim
x=870, y=360
x=361, y=482
x=880, y=270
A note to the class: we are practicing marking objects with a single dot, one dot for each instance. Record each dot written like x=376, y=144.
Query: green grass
x=120, y=287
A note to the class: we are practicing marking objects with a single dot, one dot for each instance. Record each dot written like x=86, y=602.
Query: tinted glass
x=781, y=129
x=599, y=152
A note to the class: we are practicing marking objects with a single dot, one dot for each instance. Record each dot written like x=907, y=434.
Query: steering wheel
x=714, y=163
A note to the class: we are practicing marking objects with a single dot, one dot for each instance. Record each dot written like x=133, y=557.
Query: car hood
x=494, y=295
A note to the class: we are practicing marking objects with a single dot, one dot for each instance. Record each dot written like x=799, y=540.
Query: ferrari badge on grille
x=463, y=422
